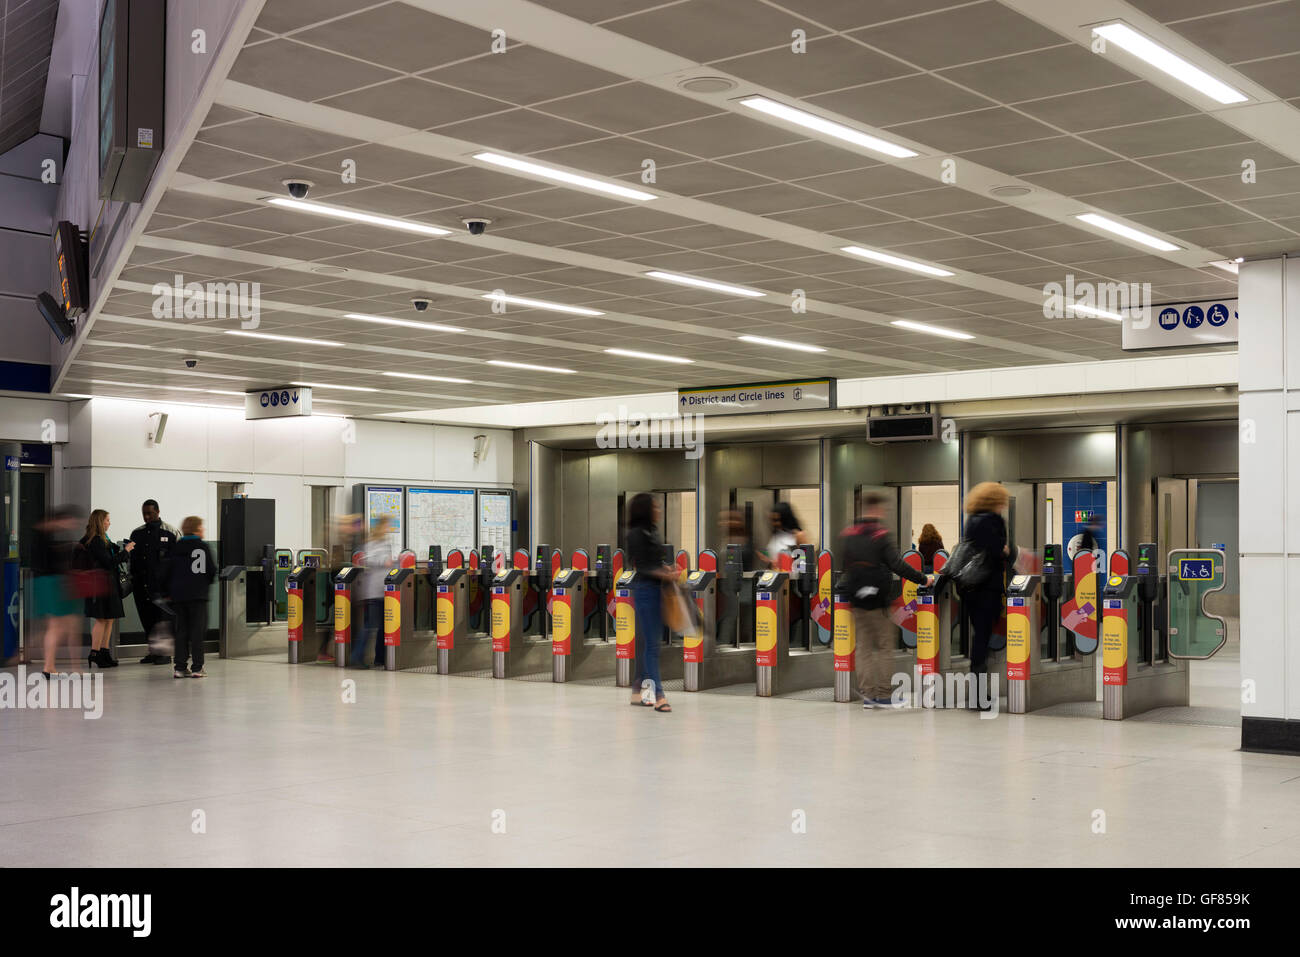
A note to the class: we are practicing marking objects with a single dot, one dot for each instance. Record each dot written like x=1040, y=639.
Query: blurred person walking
x=786, y=533
x=377, y=560
x=645, y=552
x=105, y=556
x=930, y=542
x=56, y=604
x=191, y=569
x=870, y=561
x=153, y=543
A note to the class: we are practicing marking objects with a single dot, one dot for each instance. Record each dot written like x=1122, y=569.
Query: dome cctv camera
x=191, y=362
x=476, y=227
x=421, y=304
x=298, y=187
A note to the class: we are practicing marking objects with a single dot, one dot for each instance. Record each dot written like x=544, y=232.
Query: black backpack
x=870, y=583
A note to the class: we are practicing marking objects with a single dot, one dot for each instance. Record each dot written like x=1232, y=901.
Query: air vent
x=1010, y=192
x=706, y=84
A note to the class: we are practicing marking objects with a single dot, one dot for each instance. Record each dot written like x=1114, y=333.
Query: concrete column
x=1269, y=357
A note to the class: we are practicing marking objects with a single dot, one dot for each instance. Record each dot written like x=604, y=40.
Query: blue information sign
x=1195, y=569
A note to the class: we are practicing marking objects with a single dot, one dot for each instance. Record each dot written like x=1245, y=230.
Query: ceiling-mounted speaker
x=156, y=436
x=55, y=317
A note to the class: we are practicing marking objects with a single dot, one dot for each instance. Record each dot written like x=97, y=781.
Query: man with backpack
x=870, y=557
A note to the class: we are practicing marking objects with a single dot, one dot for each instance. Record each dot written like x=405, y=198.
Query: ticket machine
x=348, y=626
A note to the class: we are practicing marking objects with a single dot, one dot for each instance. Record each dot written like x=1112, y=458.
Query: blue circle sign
x=1168, y=319
x=284, y=398
x=275, y=398
x=1218, y=314
x=265, y=400
x=1193, y=316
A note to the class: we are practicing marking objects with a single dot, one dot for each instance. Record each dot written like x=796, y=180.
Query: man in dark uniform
x=153, y=541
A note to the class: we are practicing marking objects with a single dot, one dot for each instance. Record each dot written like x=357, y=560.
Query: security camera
x=420, y=303
x=191, y=362
x=476, y=227
x=298, y=187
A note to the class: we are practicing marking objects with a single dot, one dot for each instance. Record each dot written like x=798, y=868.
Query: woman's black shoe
x=104, y=659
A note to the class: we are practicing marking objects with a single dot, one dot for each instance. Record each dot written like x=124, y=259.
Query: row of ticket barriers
x=783, y=630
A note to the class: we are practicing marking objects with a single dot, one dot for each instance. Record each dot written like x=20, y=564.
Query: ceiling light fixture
x=781, y=344
x=1166, y=61
x=588, y=183
x=1128, y=232
x=525, y=365
x=275, y=338
x=704, y=284
x=542, y=304
x=356, y=216
x=930, y=330
x=633, y=354
x=1095, y=312
x=428, y=378
x=1227, y=265
x=408, y=323
x=888, y=260
x=326, y=385
x=817, y=124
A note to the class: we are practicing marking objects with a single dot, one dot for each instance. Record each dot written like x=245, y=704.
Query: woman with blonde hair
x=981, y=574
x=104, y=557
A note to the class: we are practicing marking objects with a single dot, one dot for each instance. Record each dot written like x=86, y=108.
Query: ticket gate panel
x=1034, y=678
x=282, y=560
x=458, y=651
x=512, y=653
x=1194, y=574
x=348, y=624
x=306, y=637
x=238, y=637
x=568, y=586
x=398, y=618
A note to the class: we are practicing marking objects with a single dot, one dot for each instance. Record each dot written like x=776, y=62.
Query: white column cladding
x=1269, y=411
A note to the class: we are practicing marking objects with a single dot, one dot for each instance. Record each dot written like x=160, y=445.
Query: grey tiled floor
x=286, y=773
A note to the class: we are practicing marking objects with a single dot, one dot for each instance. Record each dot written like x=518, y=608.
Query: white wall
x=277, y=458
x=1269, y=496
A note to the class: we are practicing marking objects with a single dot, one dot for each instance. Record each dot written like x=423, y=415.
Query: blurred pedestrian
x=57, y=605
x=645, y=552
x=377, y=561
x=786, y=533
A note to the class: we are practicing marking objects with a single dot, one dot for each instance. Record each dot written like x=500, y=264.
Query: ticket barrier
x=1047, y=662
x=307, y=639
x=1143, y=665
x=940, y=683
x=349, y=623
x=709, y=661
x=512, y=653
x=246, y=614
x=844, y=642
x=404, y=645
x=779, y=669
x=602, y=584
x=457, y=650
x=318, y=558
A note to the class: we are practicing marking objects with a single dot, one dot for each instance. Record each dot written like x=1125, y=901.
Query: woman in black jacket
x=190, y=573
x=986, y=530
x=104, y=556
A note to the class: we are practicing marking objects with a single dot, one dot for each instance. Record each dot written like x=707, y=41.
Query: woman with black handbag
x=105, y=606
x=978, y=568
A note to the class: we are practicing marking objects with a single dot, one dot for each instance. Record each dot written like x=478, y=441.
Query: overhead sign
x=797, y=396
x=1201, y=323
x=277, y=403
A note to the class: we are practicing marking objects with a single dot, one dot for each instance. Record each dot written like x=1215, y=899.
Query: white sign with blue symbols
x=1207, y=322
x=276, y=403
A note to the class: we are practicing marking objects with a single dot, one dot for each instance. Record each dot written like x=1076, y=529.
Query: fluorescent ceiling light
x=339, y=212
x=781, y=344
x=408, y=323
x=224, y=392
x=633, y=354
x=563, y=176
x=931, y=330
x=1146, y=49
x=542, y=304
x=889, y=260
x=326, y=385
x=828, y=127
x=273, y=338
x=1128, y=232
x=1227, y=265
x=525, y=365
x=170, y=388
x=704, y=283
x=1094, y=311
x=427, y=378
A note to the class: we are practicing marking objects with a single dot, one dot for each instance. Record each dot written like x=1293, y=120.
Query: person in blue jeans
x=376, y=563
x=645, y=551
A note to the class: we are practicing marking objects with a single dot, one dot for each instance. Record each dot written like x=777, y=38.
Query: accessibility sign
x=1172, y=324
